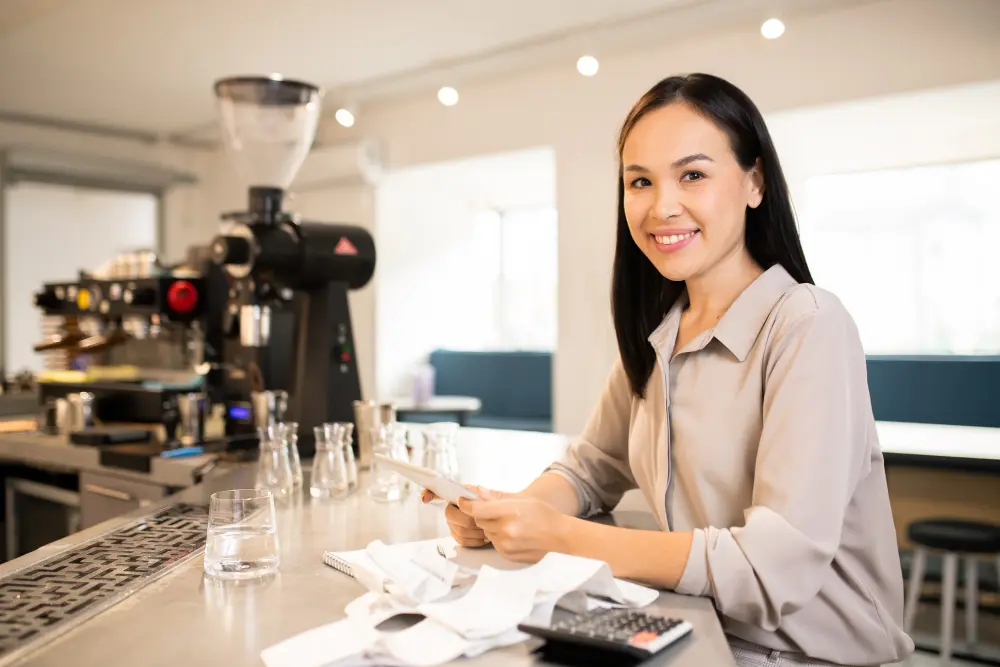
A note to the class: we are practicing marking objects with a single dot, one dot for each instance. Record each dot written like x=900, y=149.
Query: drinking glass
x=331, y=477
x=274, y=468
x=242, y=540
x=288, y=433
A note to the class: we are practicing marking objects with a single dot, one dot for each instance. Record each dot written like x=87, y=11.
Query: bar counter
x=182, y=617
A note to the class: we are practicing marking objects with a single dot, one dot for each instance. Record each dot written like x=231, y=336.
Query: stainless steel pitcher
x=269, y=407
x=369, y=415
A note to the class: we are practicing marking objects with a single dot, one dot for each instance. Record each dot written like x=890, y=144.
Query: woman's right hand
x=462, y=526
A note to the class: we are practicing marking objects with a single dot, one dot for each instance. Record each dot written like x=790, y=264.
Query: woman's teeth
x=674, y=238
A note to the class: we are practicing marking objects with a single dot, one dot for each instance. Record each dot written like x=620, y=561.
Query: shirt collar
x=739, y=327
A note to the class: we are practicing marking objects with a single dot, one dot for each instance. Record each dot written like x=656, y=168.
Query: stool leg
x=971, y=599
x=913, y=588
x=949, y=584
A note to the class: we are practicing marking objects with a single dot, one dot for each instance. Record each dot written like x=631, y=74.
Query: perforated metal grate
x=52, y=595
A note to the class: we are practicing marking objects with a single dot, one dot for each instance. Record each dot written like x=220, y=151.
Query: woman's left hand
x=521, y=529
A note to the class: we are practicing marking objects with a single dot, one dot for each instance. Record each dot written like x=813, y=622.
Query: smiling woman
x=739, y=407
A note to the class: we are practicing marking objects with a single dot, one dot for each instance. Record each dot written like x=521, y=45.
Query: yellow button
x=83, y=299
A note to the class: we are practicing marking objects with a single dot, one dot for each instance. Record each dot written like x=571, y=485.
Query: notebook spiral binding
x=338, y=563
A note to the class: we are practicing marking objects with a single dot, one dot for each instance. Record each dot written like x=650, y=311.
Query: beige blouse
x=758, y=436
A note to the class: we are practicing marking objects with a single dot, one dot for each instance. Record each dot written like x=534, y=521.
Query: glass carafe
x=274, y=468
x=440, y=451
x=387, y=485
x=288, y=432
x=331, y=470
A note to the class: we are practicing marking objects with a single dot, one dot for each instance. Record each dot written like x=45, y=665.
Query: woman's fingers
x=468, y=533
x=426, y=496
x=457, y=517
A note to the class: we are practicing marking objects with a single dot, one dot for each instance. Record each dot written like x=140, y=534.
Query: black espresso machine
x=267, y=300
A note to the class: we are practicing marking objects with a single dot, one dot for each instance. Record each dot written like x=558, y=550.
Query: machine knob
x=231, y=250
x=140, y=296
x=47, y=300
x=182, y=297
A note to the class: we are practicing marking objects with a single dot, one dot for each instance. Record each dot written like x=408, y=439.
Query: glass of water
x=242, y=535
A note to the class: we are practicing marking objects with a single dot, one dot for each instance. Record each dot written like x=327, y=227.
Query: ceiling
x=149, y=65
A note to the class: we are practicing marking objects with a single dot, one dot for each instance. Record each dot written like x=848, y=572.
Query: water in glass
x=242, y=541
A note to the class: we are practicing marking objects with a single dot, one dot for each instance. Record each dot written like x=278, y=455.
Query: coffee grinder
x=287, y=321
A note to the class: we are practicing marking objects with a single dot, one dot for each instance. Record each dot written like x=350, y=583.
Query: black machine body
x=288, y=318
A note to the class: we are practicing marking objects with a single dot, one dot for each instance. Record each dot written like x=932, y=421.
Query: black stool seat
x=955, y=535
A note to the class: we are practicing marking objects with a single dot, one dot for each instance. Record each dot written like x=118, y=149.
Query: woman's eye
x=692, y=176
x=640, y=182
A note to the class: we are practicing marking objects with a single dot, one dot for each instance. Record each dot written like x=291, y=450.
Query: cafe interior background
x=475, y=142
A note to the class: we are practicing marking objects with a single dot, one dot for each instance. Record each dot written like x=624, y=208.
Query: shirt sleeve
x=596, y=463
x=814, y=450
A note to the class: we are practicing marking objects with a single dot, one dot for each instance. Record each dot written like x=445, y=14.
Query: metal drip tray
x=56, y=594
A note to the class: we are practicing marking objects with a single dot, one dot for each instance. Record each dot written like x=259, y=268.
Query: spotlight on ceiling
x=344, y=117
x=772, y=29
x=448, y=96
x=587, y=65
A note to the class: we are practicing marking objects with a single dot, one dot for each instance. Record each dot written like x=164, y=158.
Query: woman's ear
x=756, y=184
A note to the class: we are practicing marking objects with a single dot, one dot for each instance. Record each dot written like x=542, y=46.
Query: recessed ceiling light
x=772, y=28
x=587, y=65
x=344, y=117
x=448, y=96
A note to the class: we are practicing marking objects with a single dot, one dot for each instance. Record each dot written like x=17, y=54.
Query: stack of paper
x=453, y=621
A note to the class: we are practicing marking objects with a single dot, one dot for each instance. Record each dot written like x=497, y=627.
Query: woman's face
x=685, y=194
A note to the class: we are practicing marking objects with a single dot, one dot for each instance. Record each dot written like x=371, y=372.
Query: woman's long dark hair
x=640, y=295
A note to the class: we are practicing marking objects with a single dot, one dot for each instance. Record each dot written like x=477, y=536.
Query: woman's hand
x=462, y=526
x=522, y=529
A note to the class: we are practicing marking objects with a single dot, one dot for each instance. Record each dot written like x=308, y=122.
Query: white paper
x=459, y=620
x=413, y=572
x=494, y=604
x=322, y=646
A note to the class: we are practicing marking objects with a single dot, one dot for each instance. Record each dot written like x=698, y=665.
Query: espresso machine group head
x=288, y=318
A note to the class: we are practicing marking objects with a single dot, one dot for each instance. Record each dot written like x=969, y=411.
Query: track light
x=587, y=65
x=772, y=29
x=448, y=96
x=344, y=117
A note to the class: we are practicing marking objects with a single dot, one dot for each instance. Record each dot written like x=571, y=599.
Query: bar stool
x=954, y=538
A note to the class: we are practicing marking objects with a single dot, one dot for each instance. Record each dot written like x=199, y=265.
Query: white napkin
x=458, y=622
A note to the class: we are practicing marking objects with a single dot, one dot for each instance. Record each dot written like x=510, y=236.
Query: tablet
x=446, y=489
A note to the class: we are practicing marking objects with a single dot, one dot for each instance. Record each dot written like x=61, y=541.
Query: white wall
x=885, y=47
x=432, y=288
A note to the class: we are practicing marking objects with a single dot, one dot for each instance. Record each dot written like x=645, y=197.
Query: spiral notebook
x=359, y=564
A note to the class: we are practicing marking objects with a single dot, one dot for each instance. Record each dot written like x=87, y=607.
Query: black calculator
x=607, y=633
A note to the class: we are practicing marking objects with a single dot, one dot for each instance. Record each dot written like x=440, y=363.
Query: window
x=526, y=278
x=912, y=254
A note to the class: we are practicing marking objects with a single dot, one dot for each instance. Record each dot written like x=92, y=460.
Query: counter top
x=188, y=618
x=57, y=453
x=940, y=445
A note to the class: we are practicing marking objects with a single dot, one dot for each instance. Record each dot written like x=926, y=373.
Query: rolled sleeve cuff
x=694, y=580
x=588, y=503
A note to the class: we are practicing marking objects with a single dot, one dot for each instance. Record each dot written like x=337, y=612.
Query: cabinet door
x=104, y=497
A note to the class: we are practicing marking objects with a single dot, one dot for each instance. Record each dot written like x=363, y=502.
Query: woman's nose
x=667, y=205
